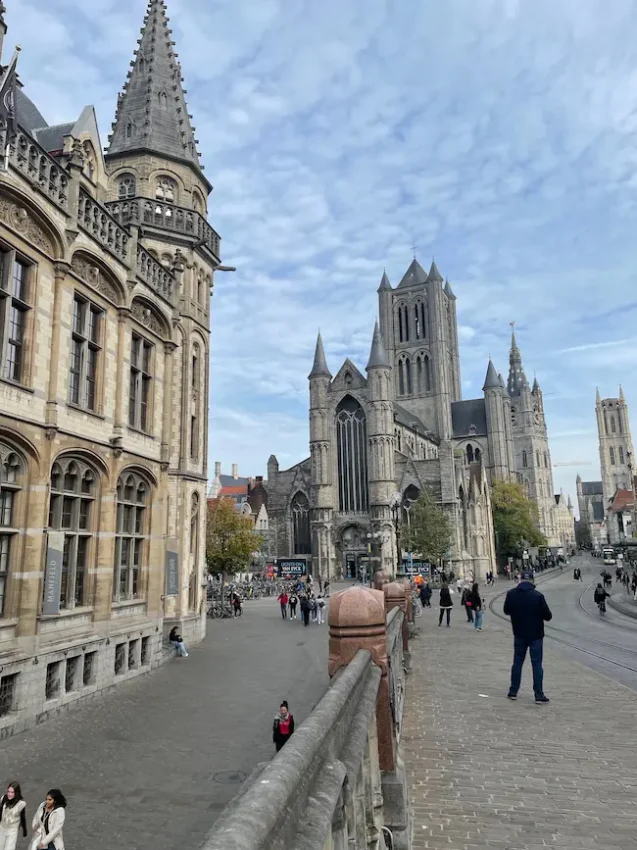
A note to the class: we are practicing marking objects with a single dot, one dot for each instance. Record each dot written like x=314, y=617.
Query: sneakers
x=512, y=696
x=542, y=700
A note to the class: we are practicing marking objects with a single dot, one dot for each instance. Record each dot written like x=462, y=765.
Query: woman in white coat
x=12, y=817
x=48, y=822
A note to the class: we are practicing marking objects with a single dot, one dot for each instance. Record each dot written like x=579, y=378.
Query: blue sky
x=499, y=136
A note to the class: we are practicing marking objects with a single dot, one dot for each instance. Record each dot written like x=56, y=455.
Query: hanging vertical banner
x=53, y=572
x=172, y=567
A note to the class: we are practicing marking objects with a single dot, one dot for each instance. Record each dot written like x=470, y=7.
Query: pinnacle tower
x=152, y=114
x=517, y=379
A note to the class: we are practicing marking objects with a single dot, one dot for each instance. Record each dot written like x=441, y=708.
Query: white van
x=609, y=557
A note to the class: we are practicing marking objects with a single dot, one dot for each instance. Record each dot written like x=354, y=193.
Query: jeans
x=293, y=612
x=520, y=646
x=478, y=623
x=320, y=615
x=469, y=611
x=180, y=646
x=284, y=609
x=442, y=611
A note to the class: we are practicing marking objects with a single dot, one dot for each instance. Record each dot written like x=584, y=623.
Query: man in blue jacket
x=528, y=611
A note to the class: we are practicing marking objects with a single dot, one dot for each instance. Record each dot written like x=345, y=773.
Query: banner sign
x=414, y=567
x=172, y=568
x=53, y=572
x=296, y=567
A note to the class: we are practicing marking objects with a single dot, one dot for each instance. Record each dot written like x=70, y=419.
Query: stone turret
x=497, y=426
x=616, y=456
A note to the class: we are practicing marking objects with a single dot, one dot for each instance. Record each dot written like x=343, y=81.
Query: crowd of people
x=47, y=824
x=301, y=595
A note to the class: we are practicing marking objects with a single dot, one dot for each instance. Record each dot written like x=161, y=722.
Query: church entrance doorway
x=354, y=551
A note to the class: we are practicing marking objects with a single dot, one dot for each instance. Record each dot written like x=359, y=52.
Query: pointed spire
x=621, y=393
x=517, y=379
x=377, y=355
x=384, y=283
x=569, y=504
x=319, y=369
x=449, y=291
x=414, y=274
x=536, y=386
x=491, y=381
x=598, y=397
x=578, y=480
x=434, y=274
x=151, y=111
x=501, y=379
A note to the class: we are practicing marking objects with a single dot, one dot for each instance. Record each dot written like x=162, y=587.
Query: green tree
x=230, y=539
x=428, y=533
x=515, y=519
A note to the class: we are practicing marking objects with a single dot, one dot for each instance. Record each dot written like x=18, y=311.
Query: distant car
x=609, y=557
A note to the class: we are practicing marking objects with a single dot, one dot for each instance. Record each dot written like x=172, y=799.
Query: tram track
x=550, y=633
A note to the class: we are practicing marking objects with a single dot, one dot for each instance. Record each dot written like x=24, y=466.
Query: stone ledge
x=624, y=604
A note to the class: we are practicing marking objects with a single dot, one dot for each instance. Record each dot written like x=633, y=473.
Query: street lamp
x=395, y=504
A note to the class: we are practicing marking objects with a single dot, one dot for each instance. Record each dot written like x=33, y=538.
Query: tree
x=429, y=531
x=230, y=539
x=515, y=519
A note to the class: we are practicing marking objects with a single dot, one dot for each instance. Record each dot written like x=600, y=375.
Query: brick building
x=107, y=264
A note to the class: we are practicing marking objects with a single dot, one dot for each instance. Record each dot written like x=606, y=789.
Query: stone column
x=395, y=598
x=61, y=269
x=167, y=415
x=123, y=315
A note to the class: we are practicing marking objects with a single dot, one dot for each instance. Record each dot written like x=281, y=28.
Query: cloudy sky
x=498, y=135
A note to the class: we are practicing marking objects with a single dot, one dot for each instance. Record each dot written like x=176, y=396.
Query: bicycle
x=415, y=604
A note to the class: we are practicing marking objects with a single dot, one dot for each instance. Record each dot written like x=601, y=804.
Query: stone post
x=395, y=598
x=380, y=580
x=410, y=601
x=356, y=621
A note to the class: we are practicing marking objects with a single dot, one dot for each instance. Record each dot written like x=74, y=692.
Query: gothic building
x=378, y=440
x=106, y=265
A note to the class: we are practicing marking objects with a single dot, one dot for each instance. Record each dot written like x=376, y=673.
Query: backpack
x=321, y=603
x=312, y=604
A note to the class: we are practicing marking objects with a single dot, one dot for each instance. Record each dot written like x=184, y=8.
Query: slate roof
x=29, y=116
x=151, y=112
x=464, y=414
x=52, y=138
x=434, y=274
x=377, y=355
x=320, y=367
x=414, y=274
x=384, y=283
x=598, y=511
x=410, y=420
x=592, y=488
x=491, y=381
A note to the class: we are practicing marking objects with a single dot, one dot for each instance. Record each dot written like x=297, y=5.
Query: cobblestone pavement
x=489, y=773
x=150, y=766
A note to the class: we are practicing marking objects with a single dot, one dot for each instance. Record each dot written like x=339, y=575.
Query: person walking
x=326, y=588
x=293, y=600
x=12, y=816
x=320, y=610
x=466, y=604
x=446, y=603
x=425, y=595
x=475, y=605
x=312, y=606
x=283, y=727
x=48, y=822
x=178, y=642
x=305, y=610
x=459, y=585
x=282, y=599
x=529, y=611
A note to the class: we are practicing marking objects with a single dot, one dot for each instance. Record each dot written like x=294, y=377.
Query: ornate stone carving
x=145, y=316
x=92, y=275
x=17, y=217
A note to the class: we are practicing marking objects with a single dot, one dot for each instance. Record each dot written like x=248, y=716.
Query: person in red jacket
x=283, y=728
x=283, y=599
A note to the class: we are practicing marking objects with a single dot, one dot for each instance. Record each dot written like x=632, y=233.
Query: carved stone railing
x=40, y=169
x=142, y=211
x=96, y=220
x=159, y=278
x=338, y=782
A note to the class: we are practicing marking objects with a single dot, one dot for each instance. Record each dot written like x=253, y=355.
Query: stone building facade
x=616, y=453
x=107, y=264
x=378, y=440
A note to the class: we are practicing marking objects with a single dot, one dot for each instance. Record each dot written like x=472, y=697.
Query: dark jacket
x=528, y=611
x=473, y=597
x=445, y=598
x=425, y=593
x=600, y=595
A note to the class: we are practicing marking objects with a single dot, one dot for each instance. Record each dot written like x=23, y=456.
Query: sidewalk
x=624, y=603
x=489, y=773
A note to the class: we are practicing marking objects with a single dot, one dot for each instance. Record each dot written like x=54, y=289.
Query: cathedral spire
x=151, y=111
x=384, y=283
x=377, y=355
x=320, y=369
x=517, y=378
x=491, y=381
x=621, y=393
x=434, y=274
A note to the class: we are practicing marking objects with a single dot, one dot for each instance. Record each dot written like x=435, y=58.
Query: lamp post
x=395, y=505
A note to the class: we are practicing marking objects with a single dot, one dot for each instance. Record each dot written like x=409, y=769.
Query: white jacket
x=56, y=822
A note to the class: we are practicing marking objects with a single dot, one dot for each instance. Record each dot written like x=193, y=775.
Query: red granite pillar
x=395, y=598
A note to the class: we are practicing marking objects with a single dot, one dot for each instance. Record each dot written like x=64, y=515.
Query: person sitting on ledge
x=178, y=642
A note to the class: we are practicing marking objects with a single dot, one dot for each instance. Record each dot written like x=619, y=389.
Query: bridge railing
x=338, y=782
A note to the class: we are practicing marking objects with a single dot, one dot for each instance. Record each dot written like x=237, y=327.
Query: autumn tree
x=428, y=532
x=515, y=519
x=230, y=539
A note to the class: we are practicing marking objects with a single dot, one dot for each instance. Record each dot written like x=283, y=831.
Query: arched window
x=72, y=511
x=611, y=452
x=420, y=377
x=129, y=130
x=163, y=99
x=197, y=203
x=403, y=323
x=301, y=524
x=427, y=365
x=613, y=425
x=351, y=438
x=11, y=471
x=417, y=321
x=420, y=327
x=525, y=460
x=126, y=186
x=398, y=438
x=131, y=534
x=406, y=322
x=621, y=456
x=196, y=387
x=537, y=458
x=546, y=461
x=478, y=455
x=405, y=386
x=410, y=496
x=469, y=453
x=194, y=551
x=166, y=189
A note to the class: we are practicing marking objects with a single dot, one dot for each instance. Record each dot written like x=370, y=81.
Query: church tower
x=157, y=188
x=615, y=444
x=530, y=440
x=322, y=495
x=419, y=329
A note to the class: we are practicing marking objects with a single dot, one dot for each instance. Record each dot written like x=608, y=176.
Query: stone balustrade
x=141, y=211
x=158, y=277
x=96, y=220
x=339, y=781
x=40, y=169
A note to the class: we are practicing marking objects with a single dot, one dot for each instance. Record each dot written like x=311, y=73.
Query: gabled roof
x=414, y=274
x=622, y=501
x=358, y=380
x=151, y=112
